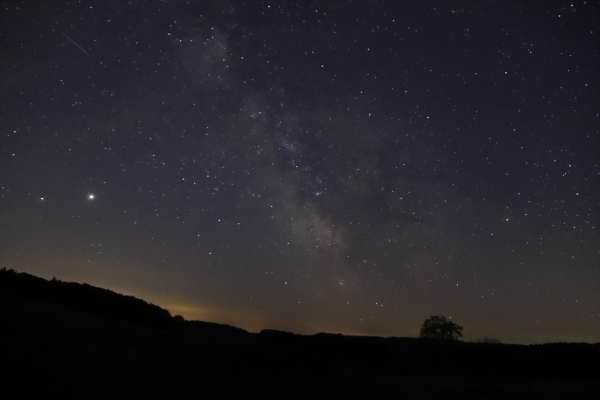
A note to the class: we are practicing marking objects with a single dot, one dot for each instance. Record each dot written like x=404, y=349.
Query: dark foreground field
x=59, y=341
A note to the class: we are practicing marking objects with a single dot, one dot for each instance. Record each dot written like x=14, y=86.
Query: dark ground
x=53, y=347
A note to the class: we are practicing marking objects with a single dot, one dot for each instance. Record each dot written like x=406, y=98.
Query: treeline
x=100, y=301
x=86, y=298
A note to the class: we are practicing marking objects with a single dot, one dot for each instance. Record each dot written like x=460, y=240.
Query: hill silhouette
x=67, y=340
x=99, y=301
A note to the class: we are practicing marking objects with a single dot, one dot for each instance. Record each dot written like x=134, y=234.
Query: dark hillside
x=411, y=356
x=102, y=302
x=58, y=341
x=85, y=297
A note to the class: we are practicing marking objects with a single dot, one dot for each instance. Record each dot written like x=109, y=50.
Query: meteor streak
x=72, y=41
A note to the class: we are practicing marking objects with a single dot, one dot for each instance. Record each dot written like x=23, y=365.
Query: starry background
x=348, y=167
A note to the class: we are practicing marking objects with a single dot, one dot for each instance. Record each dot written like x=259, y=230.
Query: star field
x=346, y=167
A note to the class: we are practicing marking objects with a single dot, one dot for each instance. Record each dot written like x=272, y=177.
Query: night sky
x=349, y=167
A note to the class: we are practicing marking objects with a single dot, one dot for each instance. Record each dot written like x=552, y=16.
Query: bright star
x=91, y=197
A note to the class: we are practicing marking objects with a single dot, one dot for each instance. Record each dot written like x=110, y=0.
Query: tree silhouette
x=438, y=327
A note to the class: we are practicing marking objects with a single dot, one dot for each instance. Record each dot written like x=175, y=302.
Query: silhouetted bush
x=438, y=327
x=489, y=340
